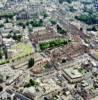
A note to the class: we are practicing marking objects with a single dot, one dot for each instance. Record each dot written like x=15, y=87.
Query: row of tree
x=87, y=18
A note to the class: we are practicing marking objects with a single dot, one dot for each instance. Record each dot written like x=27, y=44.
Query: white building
x=73, y=75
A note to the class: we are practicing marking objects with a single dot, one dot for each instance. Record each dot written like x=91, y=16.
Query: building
x=23, y=15
x=40, y=61
x=73, y=75
x=11, y=95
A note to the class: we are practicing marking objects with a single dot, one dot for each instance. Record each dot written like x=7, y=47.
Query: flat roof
x=73, y=73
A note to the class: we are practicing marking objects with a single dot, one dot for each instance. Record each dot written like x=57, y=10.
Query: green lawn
x=21, y=50
x=4, y=62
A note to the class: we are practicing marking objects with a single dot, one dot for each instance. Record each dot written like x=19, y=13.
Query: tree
x=61, y=1
x=1, y=88
x=32, y=82
x=40, y=22
x=0, y=54
x=21, y=24
x=63, y=60
x=87, y=18
x=7, y=20
x=1, y=78
x=60, y=30
x=17, y=37
x=1, y=25
x=45, y=15
x=94, y=28
x=53, y=22
x=31, y=63
x=5, y=52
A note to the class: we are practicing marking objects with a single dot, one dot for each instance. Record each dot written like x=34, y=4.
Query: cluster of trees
x=37, y=23
x=1, y=25
x=72, y=9
x=44, y=14
x=69, y=1
x=92, y=29
x=31, y=63
x=34, y=23
x=9, y=15
x=15, y=36
x=31, y=83
x=87, y=18
x=53, y=22
x=53, y=43
x=60, y=30
x=21, y=24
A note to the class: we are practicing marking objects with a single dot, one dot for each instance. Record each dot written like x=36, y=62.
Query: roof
x=73, y=73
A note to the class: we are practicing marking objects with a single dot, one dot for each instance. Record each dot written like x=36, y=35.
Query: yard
x=21, y=50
